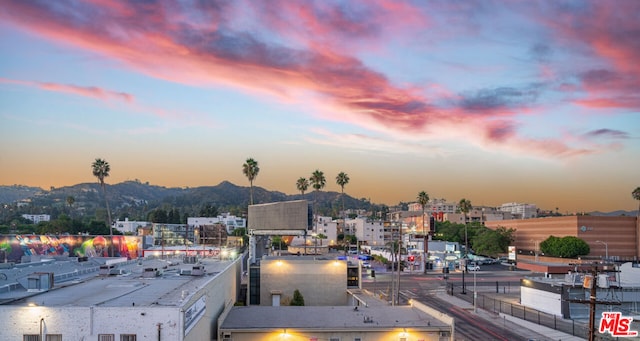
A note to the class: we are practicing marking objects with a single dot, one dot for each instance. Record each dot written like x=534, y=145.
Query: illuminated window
x=127, y=337
x=106, y=337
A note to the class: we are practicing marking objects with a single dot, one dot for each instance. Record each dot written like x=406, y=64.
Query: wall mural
x=16, y=246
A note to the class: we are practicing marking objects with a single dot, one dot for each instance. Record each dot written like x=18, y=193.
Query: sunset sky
x=493, y=101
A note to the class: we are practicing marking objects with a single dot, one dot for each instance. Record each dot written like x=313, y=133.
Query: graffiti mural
x=16, y=246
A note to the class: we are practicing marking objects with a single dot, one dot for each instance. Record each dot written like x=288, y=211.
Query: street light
x=606, y=249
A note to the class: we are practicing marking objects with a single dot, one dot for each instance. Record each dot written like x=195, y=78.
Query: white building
x=230, y=221
x=131, y=227
x=325, y=226
x=523, y=211
x=36, y=218
x=150, y=300
x=367, y=232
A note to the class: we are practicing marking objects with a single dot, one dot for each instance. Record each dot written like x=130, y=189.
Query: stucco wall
x=287, y=275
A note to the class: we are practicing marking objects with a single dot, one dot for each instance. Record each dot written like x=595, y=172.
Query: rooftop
x=80, y=284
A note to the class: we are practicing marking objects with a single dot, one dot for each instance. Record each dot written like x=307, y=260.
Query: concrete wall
x=548, y=302
x=219, y=295
x=78, y=323
x=321, y=282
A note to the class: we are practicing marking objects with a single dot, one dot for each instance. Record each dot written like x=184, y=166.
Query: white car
x=366, y=265
x=473, y=267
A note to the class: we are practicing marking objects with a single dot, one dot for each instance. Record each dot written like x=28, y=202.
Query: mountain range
x=134, y=199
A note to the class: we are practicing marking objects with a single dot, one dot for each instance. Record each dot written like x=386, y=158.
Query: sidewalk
x=539, y=333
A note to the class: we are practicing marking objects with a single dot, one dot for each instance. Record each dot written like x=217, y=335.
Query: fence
x=498, y=302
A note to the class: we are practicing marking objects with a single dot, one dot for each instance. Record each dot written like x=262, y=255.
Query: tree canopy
x=565, y=247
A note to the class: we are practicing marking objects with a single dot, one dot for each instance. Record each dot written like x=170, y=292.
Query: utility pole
x=592, y=301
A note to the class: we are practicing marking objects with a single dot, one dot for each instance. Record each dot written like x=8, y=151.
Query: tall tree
x=318, y=181
x=465, y=207
x=101, y=170
x=636, y=195
x=250, y=169
x=302, y=184
x=342, y=179
x=423, y=200
x=70, y=201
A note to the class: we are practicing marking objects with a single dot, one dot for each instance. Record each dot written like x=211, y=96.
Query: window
x=106, y=337
x=53, y=337
x=31, y=337
x=127, y=337
x=334, y=339
x=357, y=339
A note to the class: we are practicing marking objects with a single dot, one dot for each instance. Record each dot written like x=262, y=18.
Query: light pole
x=475, y=292
x=606, y=249
x=535, y=249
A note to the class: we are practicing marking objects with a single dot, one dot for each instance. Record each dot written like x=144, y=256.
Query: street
x=431, y=289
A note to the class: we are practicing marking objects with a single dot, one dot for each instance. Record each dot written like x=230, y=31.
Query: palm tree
x=342, y=180
x=423, y=200
x=465, y=207
x=70, y=201
x=318, y=181
x=302, y=184
x=636, y=195
x=101, y=170
x=250, y=169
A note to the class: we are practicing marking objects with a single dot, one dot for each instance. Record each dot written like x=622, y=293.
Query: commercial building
x=115, y=299
x=615, y=237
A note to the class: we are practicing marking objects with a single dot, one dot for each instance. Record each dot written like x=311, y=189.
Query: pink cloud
x=86, y=91
x=199, y=46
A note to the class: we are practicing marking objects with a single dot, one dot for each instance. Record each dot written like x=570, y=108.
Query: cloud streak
x=315, y=52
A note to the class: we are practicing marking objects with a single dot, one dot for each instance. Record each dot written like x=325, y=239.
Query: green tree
x=302, y=185
x=70, y=201
x=423, y=200
x=101, y=170
x=465, y=206
x=318, y=181
x=298, y=299
x=491, y=243
x=342, y=179
x=636, y=195
x=565, y=247
x=250, y=169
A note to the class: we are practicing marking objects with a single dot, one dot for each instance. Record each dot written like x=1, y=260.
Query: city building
x=131, y=227
x=36, y=218
x=230, y=221
x=518, y=210
x=615, y=238
x=108, y=299
x=366, y=231
x=335, y=306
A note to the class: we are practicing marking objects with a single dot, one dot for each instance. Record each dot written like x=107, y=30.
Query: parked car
x=473, y=267
x=366, y=265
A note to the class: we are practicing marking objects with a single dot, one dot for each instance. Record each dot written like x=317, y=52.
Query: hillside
x=134, y=200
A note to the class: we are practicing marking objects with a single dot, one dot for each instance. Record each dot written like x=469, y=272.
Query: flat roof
x=92, y=289
x=328, y=317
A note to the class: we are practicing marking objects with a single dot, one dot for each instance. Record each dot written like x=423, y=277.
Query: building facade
x=615, y=237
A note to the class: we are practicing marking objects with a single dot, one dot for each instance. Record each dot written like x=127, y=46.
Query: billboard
x=283, y=215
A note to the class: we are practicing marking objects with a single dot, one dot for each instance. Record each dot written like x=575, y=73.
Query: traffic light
x=412, y=258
